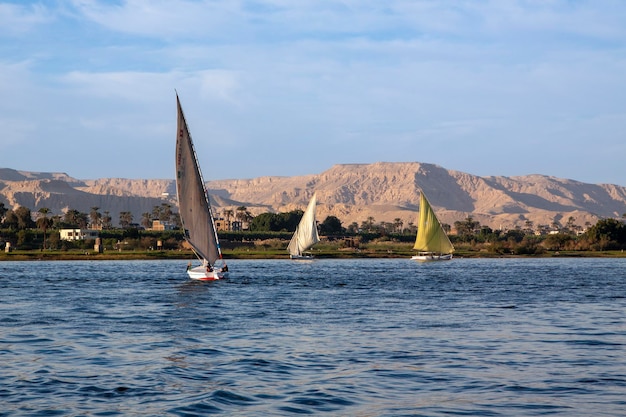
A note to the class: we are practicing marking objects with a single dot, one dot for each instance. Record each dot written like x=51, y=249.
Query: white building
x=78, y=234
x=162, y=225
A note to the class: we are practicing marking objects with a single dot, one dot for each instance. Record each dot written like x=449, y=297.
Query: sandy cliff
x=352, y=192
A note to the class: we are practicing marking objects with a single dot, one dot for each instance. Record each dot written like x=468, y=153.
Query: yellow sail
x=430, y=235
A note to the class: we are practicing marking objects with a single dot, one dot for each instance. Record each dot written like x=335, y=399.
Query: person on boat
x=225, y=268
x=209, y=268
x=189, y=266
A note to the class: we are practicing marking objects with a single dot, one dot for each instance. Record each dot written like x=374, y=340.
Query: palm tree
x=247, y=218
x=228, y=213
x=156, y=212
x=397, y=223
x=146, y=220
x=106, y=221
x=75, y=218
x=529, y=226
x=241, y=213
x=43, y=222
x=368, y=225
x=3, y=211
x=126, y=218
x=166, y=212
x=95, y=217
x=384, y=226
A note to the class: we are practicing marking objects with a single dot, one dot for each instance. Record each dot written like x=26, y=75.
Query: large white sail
x=306, y=233
x=193, y=200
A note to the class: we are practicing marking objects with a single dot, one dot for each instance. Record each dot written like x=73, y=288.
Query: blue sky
x=487, y=87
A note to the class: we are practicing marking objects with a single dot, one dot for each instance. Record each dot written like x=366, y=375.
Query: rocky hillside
x=352, y=192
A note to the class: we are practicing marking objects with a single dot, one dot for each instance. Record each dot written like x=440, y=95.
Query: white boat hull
x=202, y=274
x=302, y=257
x=431, y=257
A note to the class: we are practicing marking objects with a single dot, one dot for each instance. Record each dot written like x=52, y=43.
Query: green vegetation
x=268, y=236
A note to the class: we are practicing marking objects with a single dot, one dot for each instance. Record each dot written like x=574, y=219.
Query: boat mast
x=206, y=195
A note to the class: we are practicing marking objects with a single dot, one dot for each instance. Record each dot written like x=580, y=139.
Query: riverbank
x=381, y=252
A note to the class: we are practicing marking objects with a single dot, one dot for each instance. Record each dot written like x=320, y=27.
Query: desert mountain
x=351, y=192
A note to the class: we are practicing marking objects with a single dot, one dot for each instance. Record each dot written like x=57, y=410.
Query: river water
x=388, y=337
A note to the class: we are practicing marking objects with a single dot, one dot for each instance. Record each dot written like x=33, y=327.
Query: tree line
x=606, y=234
x=22, y=218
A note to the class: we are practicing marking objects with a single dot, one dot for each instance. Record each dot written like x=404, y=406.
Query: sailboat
x=195, y=208
x=305, y=235
x=432, y=242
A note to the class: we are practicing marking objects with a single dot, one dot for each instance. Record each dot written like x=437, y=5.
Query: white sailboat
x=195, y=208
x=431, y=242
x=305, y=235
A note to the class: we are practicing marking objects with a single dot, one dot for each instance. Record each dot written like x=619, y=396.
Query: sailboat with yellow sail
x=432, y=242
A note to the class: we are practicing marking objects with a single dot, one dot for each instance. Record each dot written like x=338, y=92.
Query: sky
x=287, y=88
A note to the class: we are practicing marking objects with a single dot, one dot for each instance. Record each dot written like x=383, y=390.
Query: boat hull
x=432, y=257
x=200, y=273
x=301, y=257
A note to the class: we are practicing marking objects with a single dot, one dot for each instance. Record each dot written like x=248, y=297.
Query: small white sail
x=305, y=235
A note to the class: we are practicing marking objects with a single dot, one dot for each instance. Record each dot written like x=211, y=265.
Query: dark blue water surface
x=488, y=337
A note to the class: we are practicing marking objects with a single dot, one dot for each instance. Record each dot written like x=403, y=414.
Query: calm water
x=470, y=337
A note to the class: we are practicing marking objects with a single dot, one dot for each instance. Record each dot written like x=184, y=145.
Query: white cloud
x=337, y=80
x=16, y=20
x=162, y=19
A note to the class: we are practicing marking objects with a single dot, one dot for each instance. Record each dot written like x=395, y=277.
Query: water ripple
x=471, y=337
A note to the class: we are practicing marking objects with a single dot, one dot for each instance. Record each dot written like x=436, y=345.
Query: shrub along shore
x=605, y=239
x=372, y=251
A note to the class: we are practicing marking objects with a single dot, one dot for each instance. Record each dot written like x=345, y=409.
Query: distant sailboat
x=432, y=242
x=306, y=233
x=195, y=209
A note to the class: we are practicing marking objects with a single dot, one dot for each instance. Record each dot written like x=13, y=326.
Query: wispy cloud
x=338, y=81
x=19, y=19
